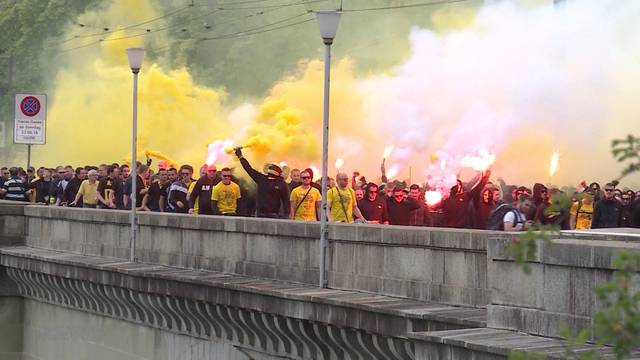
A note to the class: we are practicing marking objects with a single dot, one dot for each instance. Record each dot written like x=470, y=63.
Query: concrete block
x=345, y=232
x=60, y=229
x=582, y=299
x=191, y=242
x=455, y=268
x=407, y=263
x=437, y=265
x=369, y=260
x=296, y=229
x=368, y=283
x=511, y=286
x=404, y=235
x=557, y=289
x=403, y=288
x=261, y=226
x=291, y=252
x=497, y=248
x=167, y=240
x=343, y=257
x=372, y=233
x=578, y=254
x=603, y=257
x=340, y=280
x=262, y=248
x=451, y=238
x=233, y=224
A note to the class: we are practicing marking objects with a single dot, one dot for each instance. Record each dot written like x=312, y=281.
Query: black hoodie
x=272, y=194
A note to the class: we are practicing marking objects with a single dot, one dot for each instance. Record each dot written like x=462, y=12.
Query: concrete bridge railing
x=439, y=265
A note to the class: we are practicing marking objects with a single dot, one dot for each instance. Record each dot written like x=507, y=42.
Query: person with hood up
x=540, y=202
x=484, y=206
x=458, y=210
x=273, y=192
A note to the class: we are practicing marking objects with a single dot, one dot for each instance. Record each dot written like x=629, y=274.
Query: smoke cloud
x=520, y=81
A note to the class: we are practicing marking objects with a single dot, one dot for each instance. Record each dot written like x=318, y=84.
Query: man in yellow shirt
x=225, y=195
x=341, y=201
x=582, y=212
x=88, y=191
x=305, y=200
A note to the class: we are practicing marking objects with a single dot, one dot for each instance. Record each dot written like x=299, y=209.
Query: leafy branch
x=625, y=150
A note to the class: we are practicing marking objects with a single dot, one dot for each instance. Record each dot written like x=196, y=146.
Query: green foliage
x=518, y=355
x=627, y=149
x=618, y=323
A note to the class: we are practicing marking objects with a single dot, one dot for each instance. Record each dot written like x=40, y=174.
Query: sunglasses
x=211, y=170
x=608, y=190
x=226, y=176
x=305, y=177
x=398, y=196
x=373, y=191
x=626, y=199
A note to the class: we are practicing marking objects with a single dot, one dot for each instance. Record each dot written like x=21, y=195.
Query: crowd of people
x=282, y=193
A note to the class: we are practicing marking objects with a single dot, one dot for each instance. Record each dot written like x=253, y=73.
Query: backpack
x=496, y=218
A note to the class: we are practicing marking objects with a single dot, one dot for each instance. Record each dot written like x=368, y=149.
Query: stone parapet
x=560, y=288
x=428, y=264
x=12, y=223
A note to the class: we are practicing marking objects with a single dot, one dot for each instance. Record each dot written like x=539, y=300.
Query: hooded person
x=272, y=198
x=484, y=206
x=458, y=207
x=540, y=202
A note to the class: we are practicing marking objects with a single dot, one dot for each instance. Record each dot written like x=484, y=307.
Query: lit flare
x=339, y=163
x=554, y=163
x=387, y=151
x=432, y=197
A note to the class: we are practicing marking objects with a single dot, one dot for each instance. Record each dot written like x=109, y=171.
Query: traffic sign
x=30, y=119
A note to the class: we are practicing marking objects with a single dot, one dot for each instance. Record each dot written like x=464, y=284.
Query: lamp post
x=135, y=55
x=328, y=22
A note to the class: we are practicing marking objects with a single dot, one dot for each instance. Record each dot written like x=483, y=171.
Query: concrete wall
x=560, y=288
x=12, y=223
x=441, y=265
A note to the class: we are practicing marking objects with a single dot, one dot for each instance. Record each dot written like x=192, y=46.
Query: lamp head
x=135, y=55
x=328, y=22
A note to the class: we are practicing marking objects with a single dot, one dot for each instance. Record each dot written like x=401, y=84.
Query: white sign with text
x=30, y=119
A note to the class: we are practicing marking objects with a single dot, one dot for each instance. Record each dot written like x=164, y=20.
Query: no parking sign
x=30, y=118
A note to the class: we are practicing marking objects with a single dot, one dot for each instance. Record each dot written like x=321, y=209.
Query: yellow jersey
x=306, y=209
x=227, y=197
x=584, y=215
x=342, y=202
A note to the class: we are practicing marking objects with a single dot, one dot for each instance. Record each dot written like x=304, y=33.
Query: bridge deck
x=397, y=307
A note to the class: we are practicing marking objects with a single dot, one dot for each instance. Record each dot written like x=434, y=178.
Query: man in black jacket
x=273, y=192
x=201, y=193
x=608, y=211
x=372, y=207
x=400, y=207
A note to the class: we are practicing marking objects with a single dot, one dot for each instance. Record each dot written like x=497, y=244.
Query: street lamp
x=328, y=22
x=135, y=55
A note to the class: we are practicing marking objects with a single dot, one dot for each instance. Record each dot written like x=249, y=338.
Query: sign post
x=30, y=121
